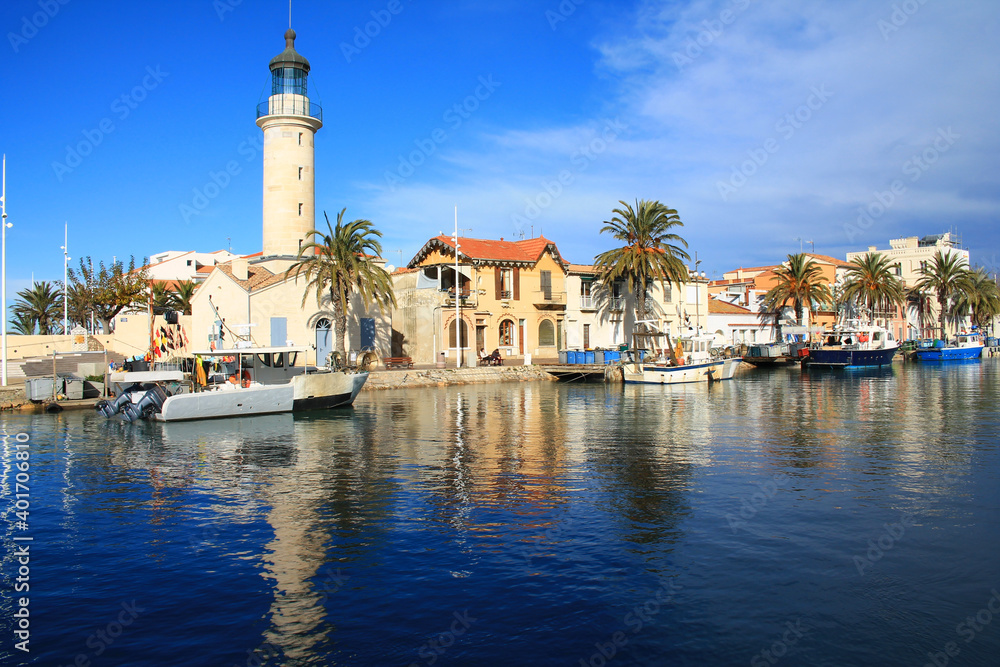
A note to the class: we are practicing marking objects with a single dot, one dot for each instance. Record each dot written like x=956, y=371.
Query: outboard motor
x=149, y=404
x=111, y=408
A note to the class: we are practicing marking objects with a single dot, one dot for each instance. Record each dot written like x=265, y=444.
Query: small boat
x=692, y=359
x=251, y=381
x=775, y=354
x=965, y=345
x=854, y=345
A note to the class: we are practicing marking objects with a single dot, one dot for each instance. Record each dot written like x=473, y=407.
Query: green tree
x=163, y=296
x=338, y=264
x=650, y=250
x=943, y=275
x=41, y=305
x=22, y=324
x=978, y=296
x=919, y=299
x=871, y=283
x=799, y=281
x=78, y=305
x=112, y=289
x=183, y=295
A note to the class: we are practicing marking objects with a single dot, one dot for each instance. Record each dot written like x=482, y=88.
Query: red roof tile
x=527, y=251
x=716, y=306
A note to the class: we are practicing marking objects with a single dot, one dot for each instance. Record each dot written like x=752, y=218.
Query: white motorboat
x=251, y=381
x=692, y=359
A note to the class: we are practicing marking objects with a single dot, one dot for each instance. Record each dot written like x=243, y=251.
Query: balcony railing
x=587, y=302
x=549, y=298
x=289, y=105
x=506, y=294
x=616, y=304
x=466, y=299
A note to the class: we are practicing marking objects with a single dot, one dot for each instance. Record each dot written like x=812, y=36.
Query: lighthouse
x=289, y=121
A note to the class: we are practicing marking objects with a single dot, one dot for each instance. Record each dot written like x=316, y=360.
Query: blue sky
x=845, y=124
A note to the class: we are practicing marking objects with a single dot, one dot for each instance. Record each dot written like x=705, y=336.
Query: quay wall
x=444, y=377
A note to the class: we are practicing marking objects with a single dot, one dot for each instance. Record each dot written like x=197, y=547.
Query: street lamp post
x=697, y=294
x=3, y=274
x=66, y=258
x=458, y=312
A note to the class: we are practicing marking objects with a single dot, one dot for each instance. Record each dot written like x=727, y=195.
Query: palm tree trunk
x=942, y=302
x=640, y=306
x=339, y=323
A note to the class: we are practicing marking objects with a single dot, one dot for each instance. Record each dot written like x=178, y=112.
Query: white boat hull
x=723, y=369
x=305, y=392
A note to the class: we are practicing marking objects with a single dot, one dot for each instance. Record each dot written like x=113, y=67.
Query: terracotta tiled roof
x=256, y=254
x=257, y=277
x=527, y=251
x=403, y=269
x=581, y=268
x=205, y=269
x=715, y=306
x=831, y=260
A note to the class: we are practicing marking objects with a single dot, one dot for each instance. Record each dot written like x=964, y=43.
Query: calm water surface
x=787, y=517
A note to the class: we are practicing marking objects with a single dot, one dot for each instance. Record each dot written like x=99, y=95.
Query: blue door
x=279, y=331
x=324, y=341
x=367, y=333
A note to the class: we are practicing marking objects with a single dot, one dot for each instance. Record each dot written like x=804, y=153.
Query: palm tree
x=979, y=296
x=163, y=296
x=943, y=276
x=22, y=324
x=799, y=280
x=919, y=299
x=650, y=252
x=871, y=283
x=41, y=305
x=78, y=304
x=340, y=263
x=183, y=296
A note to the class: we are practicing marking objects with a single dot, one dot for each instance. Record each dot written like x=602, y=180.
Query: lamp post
x=458, y=311
x=3, y=274
x=66, y=258
x=697, y=294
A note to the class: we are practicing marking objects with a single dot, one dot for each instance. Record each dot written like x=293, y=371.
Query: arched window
x=546, y=334
x=507, y=333
x=463, y=330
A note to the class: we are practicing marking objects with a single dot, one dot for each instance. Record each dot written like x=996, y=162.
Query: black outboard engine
x=111, y=408
x=149, y=404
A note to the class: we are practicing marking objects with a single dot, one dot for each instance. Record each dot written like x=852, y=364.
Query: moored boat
x=854, y=345
x=693, y=359
x=251, y=381
x=965, y=345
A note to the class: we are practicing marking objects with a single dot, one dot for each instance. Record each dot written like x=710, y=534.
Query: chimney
x=239, y=266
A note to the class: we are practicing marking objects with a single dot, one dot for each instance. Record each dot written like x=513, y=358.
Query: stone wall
x=443, y=377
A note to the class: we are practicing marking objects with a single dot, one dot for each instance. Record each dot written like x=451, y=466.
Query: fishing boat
x=247, y=381
x=692, y=359
x=854, y=345
x=965, y=345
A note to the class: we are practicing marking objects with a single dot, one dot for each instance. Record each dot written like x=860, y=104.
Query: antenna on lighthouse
x=289, y=13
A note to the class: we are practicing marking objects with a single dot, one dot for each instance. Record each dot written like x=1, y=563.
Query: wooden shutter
x=498, y=279
x=517, y=283
x=547, y=285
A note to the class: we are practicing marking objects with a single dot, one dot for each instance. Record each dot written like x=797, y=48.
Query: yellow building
x=511, y=296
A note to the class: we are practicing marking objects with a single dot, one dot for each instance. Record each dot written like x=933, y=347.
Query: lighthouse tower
x=289, y=121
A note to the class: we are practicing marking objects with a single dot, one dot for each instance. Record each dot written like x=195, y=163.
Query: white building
x=179, y=265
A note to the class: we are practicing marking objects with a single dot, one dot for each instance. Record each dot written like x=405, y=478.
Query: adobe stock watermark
x=755, y=502
x=712, y=29
x=223, y=7
x=363, y=36
x=218, y=181
x=877, y=547
x=30, y=25
x=561, y=13
x=914, y=168
x=786, y=127
x=122, y=107
x=435, y=648
x=581, y=159
x=454, y=116
x=968, y=630
x=637, y=618
x=901, y=13
x=103, y=638
x=779, y=647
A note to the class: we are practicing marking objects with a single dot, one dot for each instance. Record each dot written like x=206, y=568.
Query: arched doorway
x=324, y=341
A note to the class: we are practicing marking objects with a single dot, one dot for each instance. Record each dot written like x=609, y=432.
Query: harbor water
x=787, y=517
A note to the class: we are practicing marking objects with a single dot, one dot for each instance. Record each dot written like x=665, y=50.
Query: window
x=559, y=335
x=546, y=334
x=506, y=278
x=546, y=277
x=288, y=81
x=300, y=173
x=463, y=331
x=300, y=138
x=507, y=336
x=668, y=292
x=586, y=336
x=300, y=209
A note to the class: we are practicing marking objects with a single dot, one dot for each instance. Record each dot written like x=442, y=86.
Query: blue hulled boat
x=854, y=345
x=964, y=346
